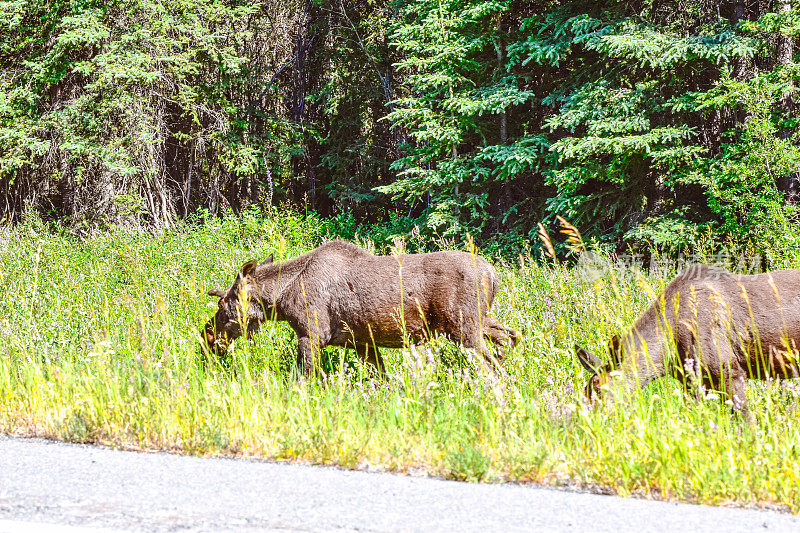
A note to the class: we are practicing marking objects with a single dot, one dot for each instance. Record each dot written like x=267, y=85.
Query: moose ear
x=588, y=360
x=269, y=260
x=247, y=268
x=615, y=350
x=219, y=293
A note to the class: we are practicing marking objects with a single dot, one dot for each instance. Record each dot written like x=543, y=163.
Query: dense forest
x=646, y=123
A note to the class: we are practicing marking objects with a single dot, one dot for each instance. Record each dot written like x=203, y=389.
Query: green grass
x=100, y=344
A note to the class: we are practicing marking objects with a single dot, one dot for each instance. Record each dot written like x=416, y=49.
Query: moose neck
x=272, y=280
x=644, y=350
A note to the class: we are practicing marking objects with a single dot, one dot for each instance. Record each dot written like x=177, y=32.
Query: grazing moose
x=342, y=295
x=709, y=326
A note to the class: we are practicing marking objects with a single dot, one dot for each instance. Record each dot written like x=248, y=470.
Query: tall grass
x=100, y=343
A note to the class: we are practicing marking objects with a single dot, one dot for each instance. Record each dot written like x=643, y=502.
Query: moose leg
x=370, y=353
x=313, y=332
x=735, y=388
x=727, y=375
x=495, y=332
x=471, y=335
x=503, y=337
x=307, y=352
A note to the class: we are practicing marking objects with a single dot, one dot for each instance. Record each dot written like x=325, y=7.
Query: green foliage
x=619, y=132
x=468, y=463
x=648, y=124
x=453, y=91
x=94, y=95
x=101, y=344
x=741, y=183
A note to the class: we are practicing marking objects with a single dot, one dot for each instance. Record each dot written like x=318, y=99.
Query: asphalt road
x=65, y=488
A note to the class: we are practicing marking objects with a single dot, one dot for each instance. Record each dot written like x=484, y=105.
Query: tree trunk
x=299, y=162
x=506, y=200
x=741, y=68
x=789, y=185
x=500, y=54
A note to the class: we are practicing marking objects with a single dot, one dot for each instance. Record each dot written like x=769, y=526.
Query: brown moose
x=710, y=327
x=342, y=295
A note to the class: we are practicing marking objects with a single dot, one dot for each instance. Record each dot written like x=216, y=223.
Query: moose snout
x=211, y=340
x=592, y=389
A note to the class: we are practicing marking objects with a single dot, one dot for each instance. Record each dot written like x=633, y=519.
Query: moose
x=341, y=295
x=709, y=327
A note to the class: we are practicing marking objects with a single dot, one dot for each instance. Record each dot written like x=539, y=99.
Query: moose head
x=239, y=310
x=600, y=369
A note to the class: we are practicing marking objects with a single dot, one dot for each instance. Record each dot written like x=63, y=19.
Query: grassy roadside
x=100, y=345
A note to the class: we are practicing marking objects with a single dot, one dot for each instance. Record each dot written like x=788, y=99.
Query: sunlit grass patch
x=101, y=344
